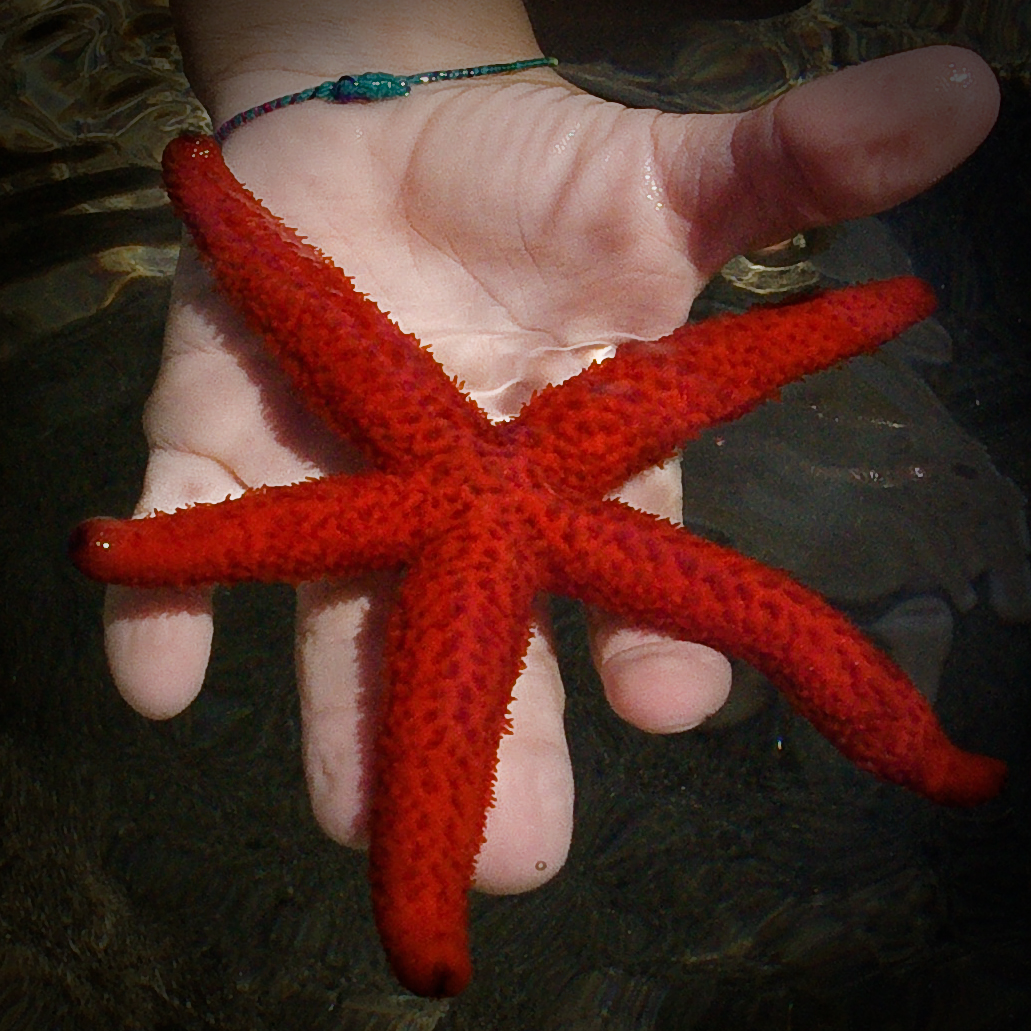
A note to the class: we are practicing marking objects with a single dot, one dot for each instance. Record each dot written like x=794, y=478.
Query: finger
x=850, y=144
x=203, y=422
x=158, y=640
x=340, y=629
x=530, y=825
x=659, y=684
x=158, y=643
x=655, y=682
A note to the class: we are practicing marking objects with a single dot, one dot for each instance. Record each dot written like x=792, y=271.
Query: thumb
x=847, y=145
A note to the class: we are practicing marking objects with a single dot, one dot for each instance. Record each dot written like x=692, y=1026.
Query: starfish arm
x=368, y=380
x=455, y=647
x=636, y=409
x=696, y=590
x=306, y=531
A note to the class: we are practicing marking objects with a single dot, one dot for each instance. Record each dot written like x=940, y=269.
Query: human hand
x=519, y=228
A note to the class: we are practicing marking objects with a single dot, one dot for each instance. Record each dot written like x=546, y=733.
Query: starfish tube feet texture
x=483, y=517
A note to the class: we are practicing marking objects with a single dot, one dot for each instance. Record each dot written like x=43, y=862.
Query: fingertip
x=530, y=826
x=336, y=779
x=874, y=134
x=964, y=78
x=158, y=643
x=339, y=679
x=661, y=685
x=954, y=99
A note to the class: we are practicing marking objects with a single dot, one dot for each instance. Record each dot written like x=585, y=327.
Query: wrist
x=240, y=53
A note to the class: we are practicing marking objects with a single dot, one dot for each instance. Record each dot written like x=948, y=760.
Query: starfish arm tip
x=963, y=779
x=438, y=973
x=91, y=547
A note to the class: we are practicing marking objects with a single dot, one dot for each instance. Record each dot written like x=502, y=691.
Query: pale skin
x=519, y=228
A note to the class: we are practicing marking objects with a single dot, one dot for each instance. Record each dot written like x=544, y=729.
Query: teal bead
x=369, y=86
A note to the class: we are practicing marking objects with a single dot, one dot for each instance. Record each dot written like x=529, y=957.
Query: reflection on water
x=91, y=93
x=170, y=875
x=656, y=54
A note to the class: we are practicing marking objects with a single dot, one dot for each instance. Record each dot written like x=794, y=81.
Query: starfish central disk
x=483, y=517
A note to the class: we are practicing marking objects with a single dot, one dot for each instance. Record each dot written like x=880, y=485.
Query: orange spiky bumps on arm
x=639, y=407
x=860, y=700
x=396, y=402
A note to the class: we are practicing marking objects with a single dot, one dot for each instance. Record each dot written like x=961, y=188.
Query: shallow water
x=170, y=875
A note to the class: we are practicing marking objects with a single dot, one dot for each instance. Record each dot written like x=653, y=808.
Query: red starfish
x=482, y=517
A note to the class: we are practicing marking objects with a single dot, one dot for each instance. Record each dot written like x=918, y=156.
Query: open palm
x=520, y=230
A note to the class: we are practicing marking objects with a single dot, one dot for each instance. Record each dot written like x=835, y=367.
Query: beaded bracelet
x=373, y=86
